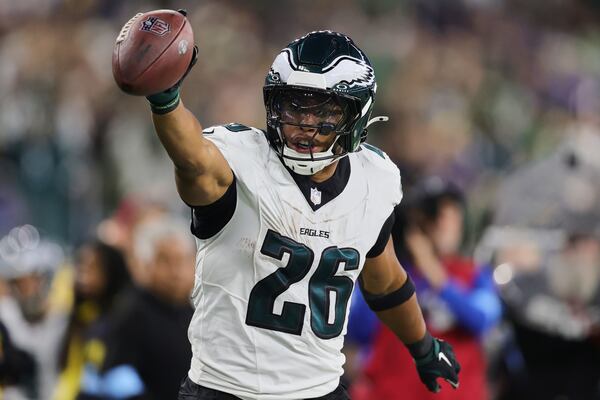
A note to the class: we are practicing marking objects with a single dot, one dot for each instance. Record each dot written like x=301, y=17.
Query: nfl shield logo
x=315, y=196
x=156, y=26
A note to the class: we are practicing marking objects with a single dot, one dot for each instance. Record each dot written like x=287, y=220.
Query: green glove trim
x=422, y=348
x=429, y=357
x=164, y=102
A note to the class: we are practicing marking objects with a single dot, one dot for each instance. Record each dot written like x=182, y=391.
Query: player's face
x=309, y=121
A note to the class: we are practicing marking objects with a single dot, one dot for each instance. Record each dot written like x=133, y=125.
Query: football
x=152, y=52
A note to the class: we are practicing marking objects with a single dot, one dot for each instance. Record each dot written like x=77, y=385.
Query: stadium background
x=478, y=92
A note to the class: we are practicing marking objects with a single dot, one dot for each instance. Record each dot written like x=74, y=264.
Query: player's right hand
x=190, y=66
x=440, y=362
x=166, y=101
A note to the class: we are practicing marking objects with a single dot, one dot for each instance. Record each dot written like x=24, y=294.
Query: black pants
x=191, y=391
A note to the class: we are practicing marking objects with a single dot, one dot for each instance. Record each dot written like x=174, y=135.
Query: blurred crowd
x=109, y=322
x=494, y=123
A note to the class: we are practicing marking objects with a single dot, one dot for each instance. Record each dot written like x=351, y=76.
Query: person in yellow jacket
x=101, y=275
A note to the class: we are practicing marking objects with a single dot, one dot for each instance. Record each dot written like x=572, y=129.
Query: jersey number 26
x=322, y=285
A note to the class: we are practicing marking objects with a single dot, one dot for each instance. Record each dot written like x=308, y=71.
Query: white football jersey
x=273, y=286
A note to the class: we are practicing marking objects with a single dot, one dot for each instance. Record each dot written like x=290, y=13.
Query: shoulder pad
x=235, y=127
x=374, y=149
x=232, y=127
x=381, y=166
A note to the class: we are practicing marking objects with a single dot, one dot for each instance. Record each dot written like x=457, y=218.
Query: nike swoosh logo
x=454, y=384
x=442, y=356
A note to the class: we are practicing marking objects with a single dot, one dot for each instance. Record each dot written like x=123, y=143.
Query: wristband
x=421, y=348
x=164, y=102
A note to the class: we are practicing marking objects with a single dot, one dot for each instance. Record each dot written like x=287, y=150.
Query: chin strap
x=381, y=118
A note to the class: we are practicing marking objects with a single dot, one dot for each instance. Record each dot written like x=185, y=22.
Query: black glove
x=438, y=362
x=167, y=101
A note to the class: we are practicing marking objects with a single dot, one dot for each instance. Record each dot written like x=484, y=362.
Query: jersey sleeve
x=385, y=193
x=244, y=148
x=384, y=236
x=235, y=142
x=208, y=220
x=384, y=176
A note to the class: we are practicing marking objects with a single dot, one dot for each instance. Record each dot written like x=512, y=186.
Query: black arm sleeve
x=384, y=236
x=208, y=220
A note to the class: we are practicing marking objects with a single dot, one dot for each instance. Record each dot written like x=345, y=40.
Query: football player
x=286, y=221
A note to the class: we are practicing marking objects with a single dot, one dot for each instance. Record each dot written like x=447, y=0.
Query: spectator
x=545, y=242
x=101, y=275
x=458, y=299
x=33, y=324
x=554, y=310
x=149, y=352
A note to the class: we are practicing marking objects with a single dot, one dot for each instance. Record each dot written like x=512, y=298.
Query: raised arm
x=201, y=172
x=389, y=292
x=152, y=52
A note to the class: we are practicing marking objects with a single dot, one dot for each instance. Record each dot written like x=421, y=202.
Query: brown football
x=152, y=52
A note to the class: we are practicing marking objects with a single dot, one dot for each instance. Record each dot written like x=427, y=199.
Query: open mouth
x=304, y=146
